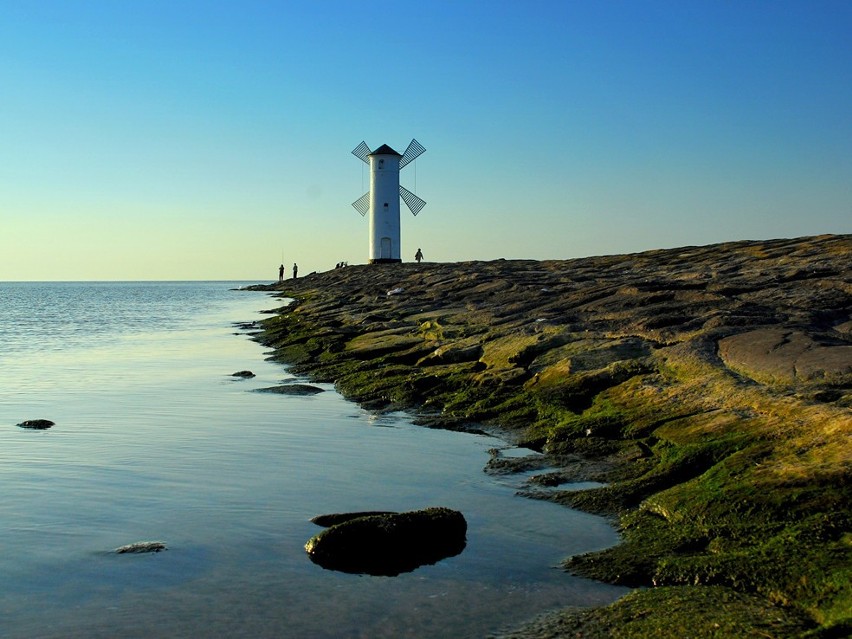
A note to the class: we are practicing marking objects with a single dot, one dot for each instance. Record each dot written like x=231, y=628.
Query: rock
x=391, y=543
x=140, y=547
x=452, y=355
x=37, y=424
x=243, y=374
x=778, y=355
x=338, y=518
x=291, y=389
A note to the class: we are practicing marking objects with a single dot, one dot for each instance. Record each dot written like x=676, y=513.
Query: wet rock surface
x=338, y=518
x=706, y=390
x=387, y=544
x=141, y=547
x=36, y=424
x=291, y=389
x=243, y=374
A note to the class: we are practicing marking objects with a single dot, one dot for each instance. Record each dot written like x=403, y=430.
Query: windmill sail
x=414, y=151
x=414, y=203
x=362, y=204
x=361, y=152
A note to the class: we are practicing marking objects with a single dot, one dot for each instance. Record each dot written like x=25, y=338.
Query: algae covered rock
x=388, y=544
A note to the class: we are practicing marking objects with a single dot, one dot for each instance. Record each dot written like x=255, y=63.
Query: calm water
x=155, y=441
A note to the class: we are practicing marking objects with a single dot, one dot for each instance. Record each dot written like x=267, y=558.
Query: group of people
x=417, y=256
x=281, y=272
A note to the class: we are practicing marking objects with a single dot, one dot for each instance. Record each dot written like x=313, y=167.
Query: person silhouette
x=418, y=255
x=295, y=270
x=281, y=273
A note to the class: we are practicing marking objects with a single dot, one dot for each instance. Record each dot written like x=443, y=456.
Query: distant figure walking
x=280, y=273
x=295, y=270
x=418, y=255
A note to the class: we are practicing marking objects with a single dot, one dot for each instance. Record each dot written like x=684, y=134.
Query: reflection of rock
x=140, y=547
x=390, y=543
x=291, y=389
x=36, y=424
x=243, y=374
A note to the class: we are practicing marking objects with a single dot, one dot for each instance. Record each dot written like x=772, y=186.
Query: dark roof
x=385, y=150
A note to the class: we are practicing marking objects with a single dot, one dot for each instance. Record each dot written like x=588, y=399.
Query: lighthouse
x=382, y=200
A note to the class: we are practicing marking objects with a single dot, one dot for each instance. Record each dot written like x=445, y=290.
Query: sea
x=155, y=440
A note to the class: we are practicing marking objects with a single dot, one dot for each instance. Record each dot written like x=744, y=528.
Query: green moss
x=709, y=612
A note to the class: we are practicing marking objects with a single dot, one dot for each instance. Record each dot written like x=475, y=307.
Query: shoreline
x=709, y=389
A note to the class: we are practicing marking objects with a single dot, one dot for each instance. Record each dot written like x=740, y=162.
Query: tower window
x=381, y=164
x=386, y=205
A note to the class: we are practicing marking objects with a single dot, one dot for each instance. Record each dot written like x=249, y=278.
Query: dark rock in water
x=391, y=543
x=140, y=547
x=37, y=424
x=291, y=389
x=243, y=374
x=338, y=518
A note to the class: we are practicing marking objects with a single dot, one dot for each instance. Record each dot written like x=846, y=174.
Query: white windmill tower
x=382, y=200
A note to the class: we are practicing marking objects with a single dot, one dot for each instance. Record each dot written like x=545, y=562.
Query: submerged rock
x=37, y=424
x=291, y=389
x=243, y=374
x=140, y=547
x=391, y=543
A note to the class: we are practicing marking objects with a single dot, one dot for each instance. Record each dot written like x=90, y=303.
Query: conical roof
x=385, y=150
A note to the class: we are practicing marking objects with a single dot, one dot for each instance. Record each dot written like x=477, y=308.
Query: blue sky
x=206, y=140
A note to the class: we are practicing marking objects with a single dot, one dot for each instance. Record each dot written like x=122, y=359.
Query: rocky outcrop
x=243, y=374
x=787, y=356
x=388, y=544
x=705, y=393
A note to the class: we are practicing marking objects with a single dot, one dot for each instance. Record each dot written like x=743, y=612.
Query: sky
x=203, y=140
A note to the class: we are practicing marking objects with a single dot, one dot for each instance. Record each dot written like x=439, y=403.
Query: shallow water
x=154, y=440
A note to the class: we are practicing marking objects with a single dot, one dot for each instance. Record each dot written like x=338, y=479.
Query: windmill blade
x=361, y=152
x=414, y=151
x=362, y=204
x=414, y=203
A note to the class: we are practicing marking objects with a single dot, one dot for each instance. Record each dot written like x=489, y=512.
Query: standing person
x=280, y=273
x=295, y=270
x=418, y=255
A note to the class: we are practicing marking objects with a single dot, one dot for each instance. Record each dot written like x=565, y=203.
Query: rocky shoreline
x=707, y=389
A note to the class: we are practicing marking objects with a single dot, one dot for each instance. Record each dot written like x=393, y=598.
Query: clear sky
x=210, y=139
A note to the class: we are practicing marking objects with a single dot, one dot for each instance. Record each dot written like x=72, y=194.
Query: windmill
x=382, y=200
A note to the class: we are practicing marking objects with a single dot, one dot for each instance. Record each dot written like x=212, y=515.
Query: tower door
x=386, y=248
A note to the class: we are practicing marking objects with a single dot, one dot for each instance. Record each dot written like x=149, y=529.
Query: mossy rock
x=388, y=544
x=706, y=612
